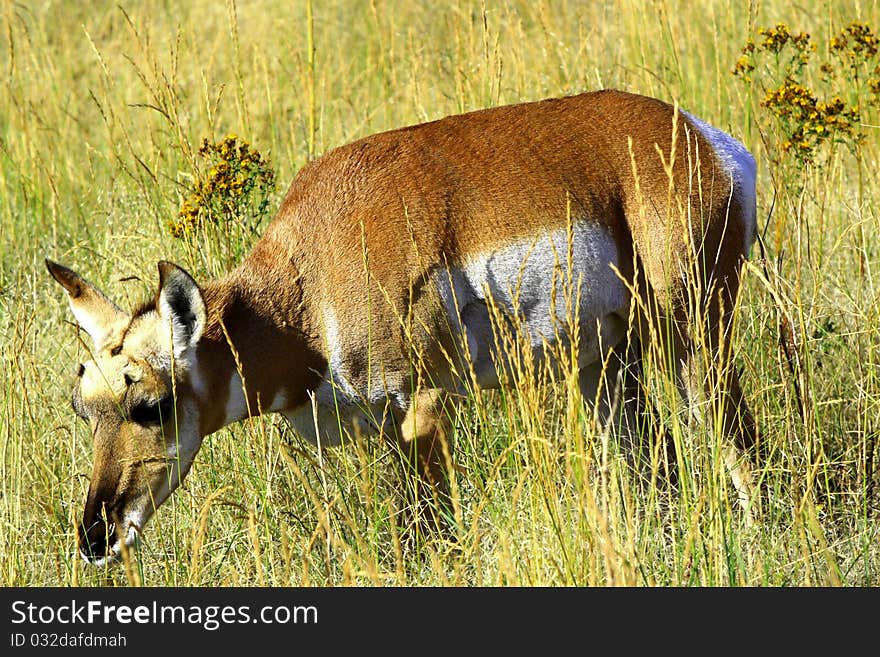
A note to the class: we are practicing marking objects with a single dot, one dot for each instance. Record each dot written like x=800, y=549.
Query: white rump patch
x=741, y=167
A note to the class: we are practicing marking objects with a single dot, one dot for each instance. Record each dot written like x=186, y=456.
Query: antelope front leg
x=424, y=438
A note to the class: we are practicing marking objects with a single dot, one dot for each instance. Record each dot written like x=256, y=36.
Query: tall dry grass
x=102, y=111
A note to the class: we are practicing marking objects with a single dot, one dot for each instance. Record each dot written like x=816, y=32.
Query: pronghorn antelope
x=434, y=224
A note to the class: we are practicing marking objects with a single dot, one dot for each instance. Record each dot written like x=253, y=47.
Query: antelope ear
x=181, y=303
x=93, y=311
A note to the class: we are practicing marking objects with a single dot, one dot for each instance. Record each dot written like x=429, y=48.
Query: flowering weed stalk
x=230, y=201
x=777, y=63
x=813, y=100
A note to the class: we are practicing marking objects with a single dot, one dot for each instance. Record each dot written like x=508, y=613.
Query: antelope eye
x=153, y=411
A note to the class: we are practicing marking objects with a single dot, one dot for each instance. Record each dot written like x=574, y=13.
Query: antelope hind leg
x=616, y=393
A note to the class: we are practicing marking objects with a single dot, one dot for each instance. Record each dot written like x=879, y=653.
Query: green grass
x=101, y=111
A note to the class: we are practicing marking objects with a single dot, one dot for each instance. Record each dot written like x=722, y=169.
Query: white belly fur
x=521, y=278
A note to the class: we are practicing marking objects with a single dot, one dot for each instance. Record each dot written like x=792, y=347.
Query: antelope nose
x=94, y=540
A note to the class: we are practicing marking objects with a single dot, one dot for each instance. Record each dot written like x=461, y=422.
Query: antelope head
x=137, y=394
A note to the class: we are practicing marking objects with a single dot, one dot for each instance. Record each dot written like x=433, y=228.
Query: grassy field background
x=102, y=107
